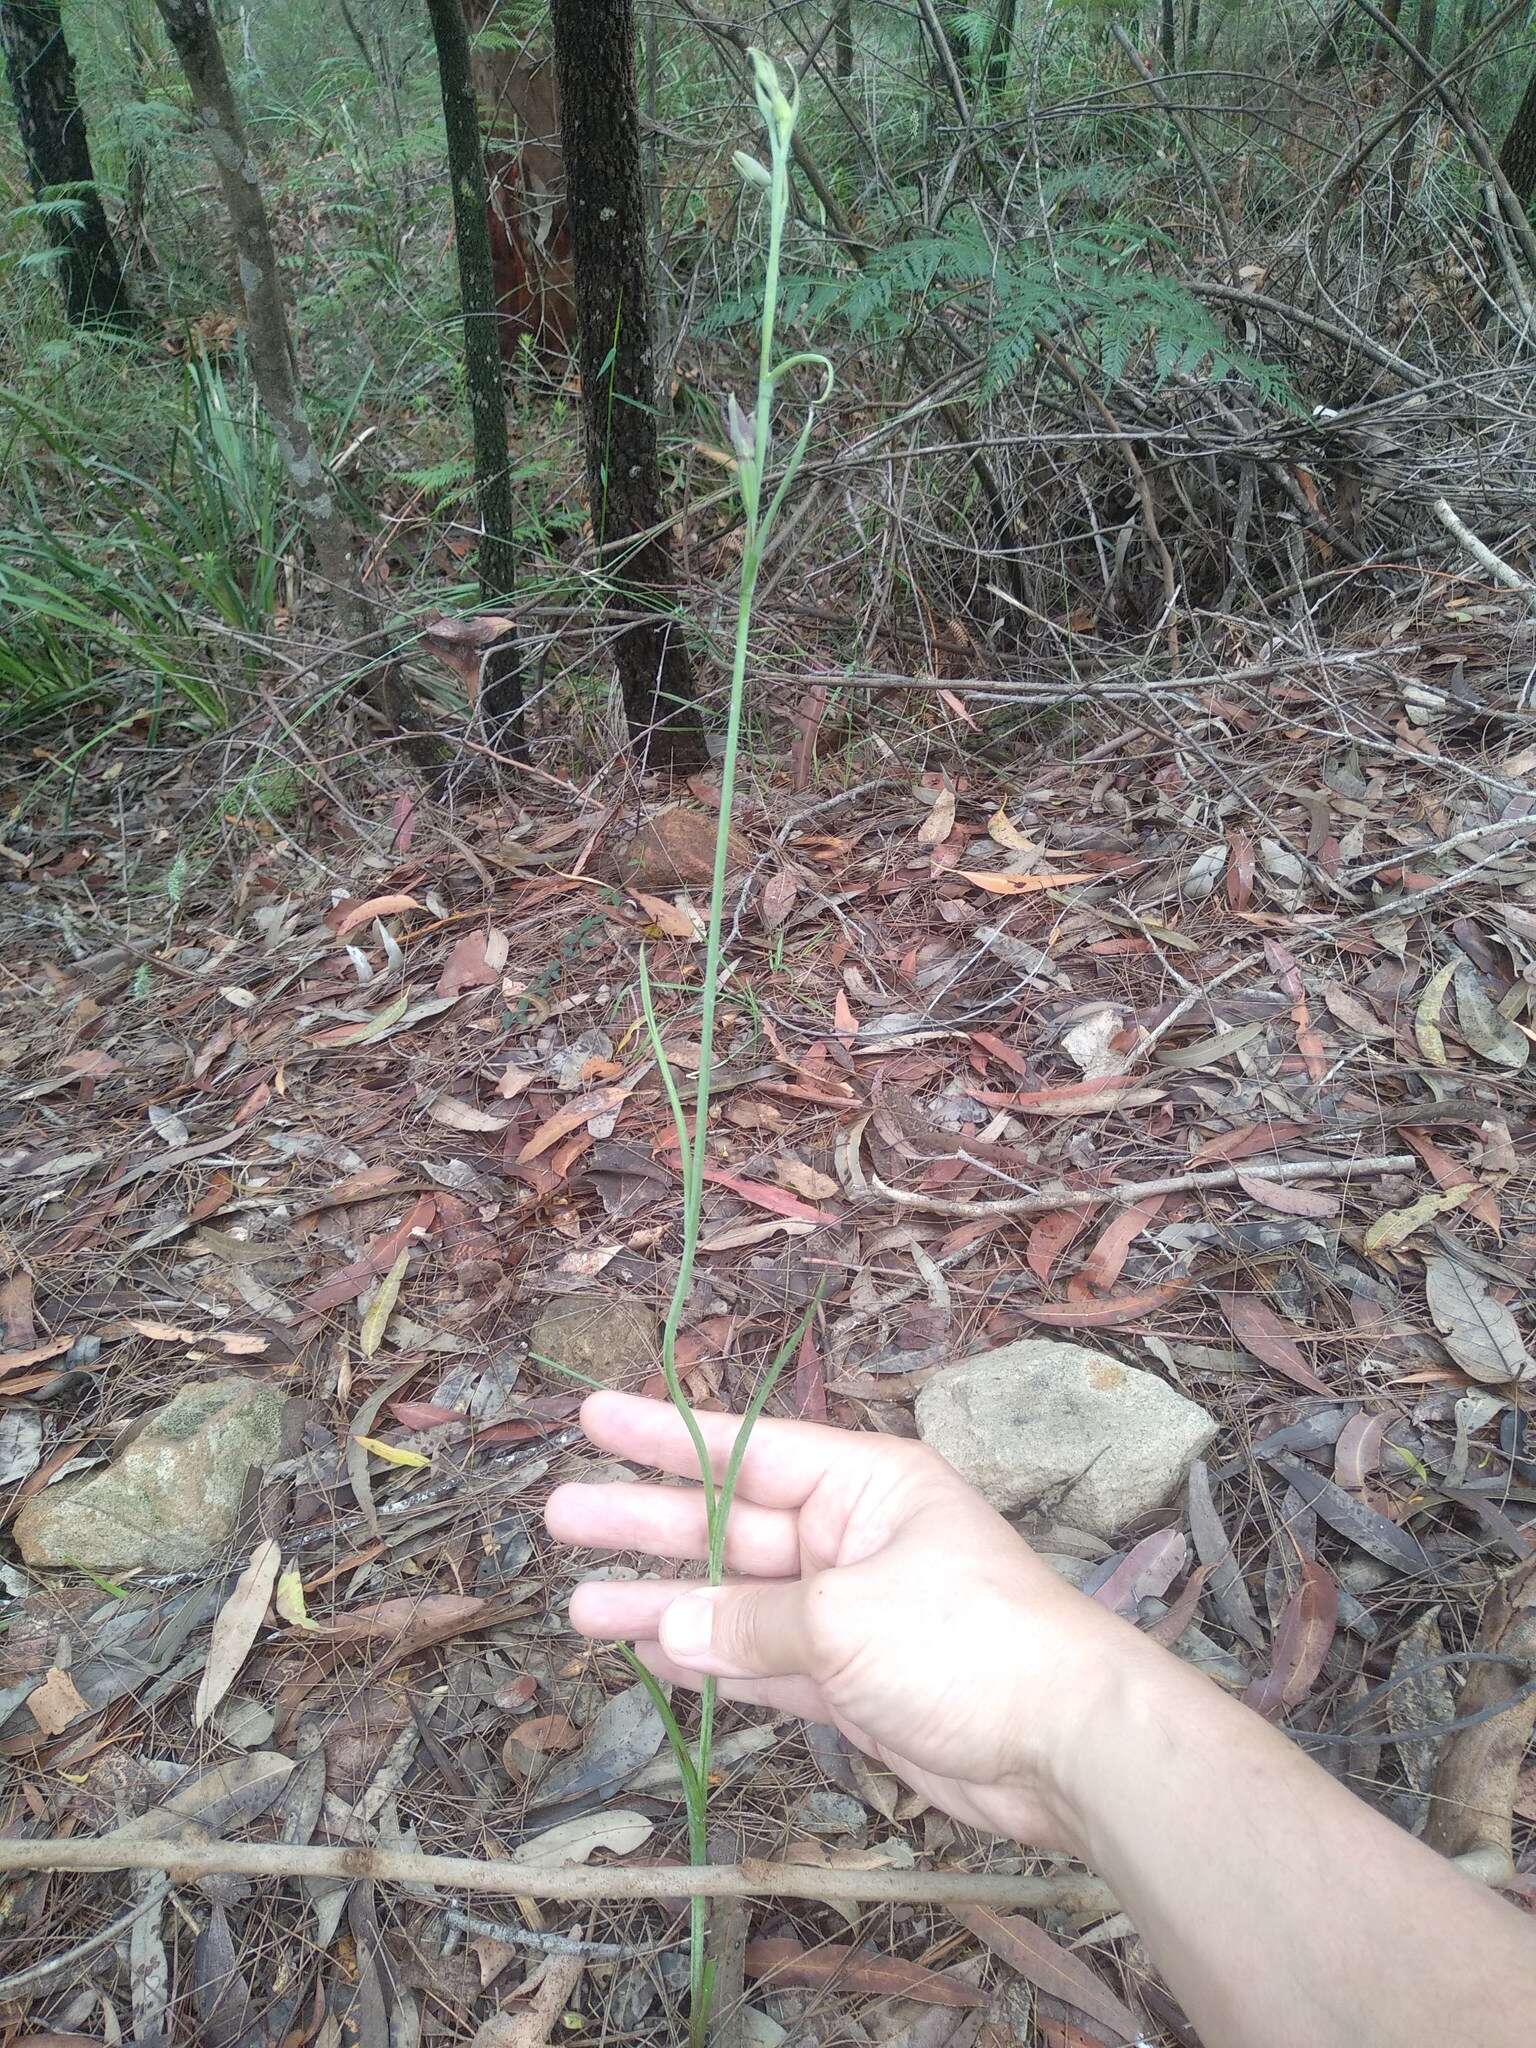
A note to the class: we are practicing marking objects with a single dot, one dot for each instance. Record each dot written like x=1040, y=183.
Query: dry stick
x=1071, y=1891
x=1186, y=135
x=1479, y=550
x=1138, y=1190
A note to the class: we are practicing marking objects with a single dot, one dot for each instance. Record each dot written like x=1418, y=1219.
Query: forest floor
x=348, y=1108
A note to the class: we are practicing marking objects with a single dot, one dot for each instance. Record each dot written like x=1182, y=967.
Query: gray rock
x=1039, y=1423
x=599, y=1337
x=169, y=1500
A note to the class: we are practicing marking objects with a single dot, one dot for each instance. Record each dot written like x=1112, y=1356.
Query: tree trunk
x=501, y=683
x=842, y=41
x=1168, y=36
x=1517, y=157
x=594, y=43
x=1000, y=49
x=57, y=152
x=196, y=43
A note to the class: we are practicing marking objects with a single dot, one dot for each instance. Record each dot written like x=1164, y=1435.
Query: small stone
x=675, y=849
x=169, y=1501
x=598, y=1337
x=1068, y=1430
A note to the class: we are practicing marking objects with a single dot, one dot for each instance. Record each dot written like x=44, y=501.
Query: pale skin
x=871, y=1588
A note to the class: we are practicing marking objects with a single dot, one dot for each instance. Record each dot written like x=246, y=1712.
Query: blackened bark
x=57, y=152
x=1168, y=36
x=594, y=46
x=1517, y=156
x=501, y=682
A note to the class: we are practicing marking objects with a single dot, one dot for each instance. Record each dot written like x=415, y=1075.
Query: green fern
x=1092, y=293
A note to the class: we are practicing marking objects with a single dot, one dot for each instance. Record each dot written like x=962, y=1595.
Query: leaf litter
x=431, y=1112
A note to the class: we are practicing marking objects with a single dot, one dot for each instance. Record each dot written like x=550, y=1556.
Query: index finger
x=782, y=1467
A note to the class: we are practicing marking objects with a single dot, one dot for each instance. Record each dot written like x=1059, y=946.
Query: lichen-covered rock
x=600, y=1337
x=1040, y=1423
x=675, y=850
x=169, y=1500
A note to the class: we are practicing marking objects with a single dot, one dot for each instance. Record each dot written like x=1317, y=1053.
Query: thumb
x=739, y=1631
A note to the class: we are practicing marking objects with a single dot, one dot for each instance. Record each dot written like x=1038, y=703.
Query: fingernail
x=687, y=1626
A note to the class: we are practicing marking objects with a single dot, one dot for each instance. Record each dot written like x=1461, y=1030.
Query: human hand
x=871, y=1588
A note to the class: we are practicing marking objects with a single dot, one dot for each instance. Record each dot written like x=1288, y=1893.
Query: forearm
x=1279, y=1907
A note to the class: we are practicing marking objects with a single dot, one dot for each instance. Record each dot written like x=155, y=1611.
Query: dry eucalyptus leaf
x=1486, y=1029
x=463, y=1116
x=236, y=1627
x=56, y=1702
x=1480, y=1333
x=573, y=1841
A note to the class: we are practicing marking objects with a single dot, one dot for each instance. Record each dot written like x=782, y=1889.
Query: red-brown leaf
x=347, y=1284
x=777, y=1201
x=1103, y=1315
x=1049, y=1967
x=1049, y=1237
x=1259, y=1330
x=1483, y=1205
x=1301, y=1643
x=1103, y=1265
x=856, y=1969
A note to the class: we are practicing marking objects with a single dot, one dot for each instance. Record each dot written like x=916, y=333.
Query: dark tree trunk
x=1000, y=49
x=57, y=152
x=195, y=40
x=501, y=683
x=1168, y=36
x=842, y=41
x=594, y=42
x=1517, y=157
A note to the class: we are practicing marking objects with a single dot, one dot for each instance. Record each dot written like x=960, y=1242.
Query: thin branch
x=1479, y=550
x=1126, y=1192
x=1069, y=1891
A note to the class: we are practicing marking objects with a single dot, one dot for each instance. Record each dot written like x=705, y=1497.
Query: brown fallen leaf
x=55, y=1703
x=778, y=899
x=1449, y=1173
x=233, y=1343
x=34, y=1354
x=805, y=1180
x=1288, y=1197
x=670, y=919
x=1103, y=1315
x=776, y=1200
x=601, y=1102
x=552, y=1987
x=1049, y=1967
x=1302, y=1641
x=354, y=914
x=1259, y=1330
x=1050, y=1237
x=856, y=1969
x=236, y=1627
x=406, y=1619
x=1022, y=885
x=469, y=964
x=464, y=1116
x=347, y=1284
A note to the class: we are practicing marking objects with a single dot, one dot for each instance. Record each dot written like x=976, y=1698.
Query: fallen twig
x=1138, y=1190
x=1070, y=1891
x=1479, y=550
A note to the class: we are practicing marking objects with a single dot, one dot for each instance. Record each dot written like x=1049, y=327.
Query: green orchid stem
x=751, y=442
